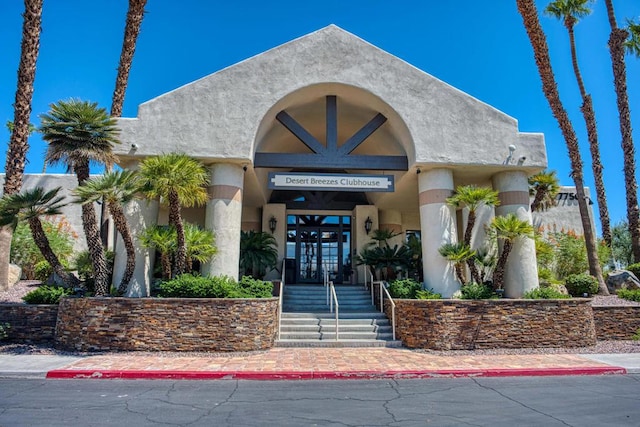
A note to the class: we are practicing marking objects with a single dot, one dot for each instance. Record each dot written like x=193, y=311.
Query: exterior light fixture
x=367, y=225
x=272, y=224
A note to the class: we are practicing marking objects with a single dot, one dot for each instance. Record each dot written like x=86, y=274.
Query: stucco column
x=521, y=272
x=438, y=226
x=223, y=216
x=141, y=214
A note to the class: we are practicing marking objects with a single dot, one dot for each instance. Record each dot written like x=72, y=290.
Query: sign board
x=330, y=182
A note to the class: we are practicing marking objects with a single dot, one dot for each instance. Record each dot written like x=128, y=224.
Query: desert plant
x=405, y=288
x=581, y=284
x=43, y=271
x=458, y=254
x=427, y=294
x=544, y=293
x=475, y=290
x=46, y=295
x=258, y=253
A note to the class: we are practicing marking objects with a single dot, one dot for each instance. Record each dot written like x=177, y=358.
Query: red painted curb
x=329, y=375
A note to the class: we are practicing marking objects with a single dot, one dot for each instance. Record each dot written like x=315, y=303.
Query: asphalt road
x=522, y=401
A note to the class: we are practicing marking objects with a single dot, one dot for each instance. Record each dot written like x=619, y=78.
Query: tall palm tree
x=617, y=40
x=570, y=11
x=115, y=189
x=18, y=143
x=459, y=254
x=78, y=133
x=507, y=229
x=29, y=206
x=177, y=180
x=473, y=198
x=135, y=14
x=544, y=187
x=527, y=9
x=632, y=44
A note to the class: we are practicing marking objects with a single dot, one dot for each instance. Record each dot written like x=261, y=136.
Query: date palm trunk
x=18, y=143
x=498, y=273
x=175, y=219
x=617, y=51
x=471, y=262
x=42, y=242
x=122, y=226
x=527, y=9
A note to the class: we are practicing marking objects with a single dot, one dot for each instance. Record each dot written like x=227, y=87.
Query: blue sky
x=481, y=50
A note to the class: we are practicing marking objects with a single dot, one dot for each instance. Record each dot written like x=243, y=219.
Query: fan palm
x=617, y=40
x=178, y=180
x=507, y=229
x=78, y=133
x=570, y=11
x=529, y=12
x=632, y=44
x=200, y=245
x=544, y=187
x=473, y=198
x=163, y=239
x=257, y=253
x=459, y=254
x=29, y=206
x=116, y=189
x=18, y=143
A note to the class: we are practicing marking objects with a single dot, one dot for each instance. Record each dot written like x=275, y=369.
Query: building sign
x=330, y=182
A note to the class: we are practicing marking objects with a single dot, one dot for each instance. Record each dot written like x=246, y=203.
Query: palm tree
x=507, y=229
x=78, y=133
x=544, y=187
x=617, y=40
x=257, y=253
x=29, y=206
x=115, y=189
x=570, y=11
x=459, y=254
x=200, y=245
x=472, y=198
x=131, y=31
x=178, y=180
x=527, y=9
x=632, y=44
x=163, y=239
x=18, y=143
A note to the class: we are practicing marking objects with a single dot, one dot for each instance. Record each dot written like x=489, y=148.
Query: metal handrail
x=393, y=307
x=367, y=271
x=281, y=291
x=334, y=300
x=325, y=281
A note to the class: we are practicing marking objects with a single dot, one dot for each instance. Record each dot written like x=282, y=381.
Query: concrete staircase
x=307, y=322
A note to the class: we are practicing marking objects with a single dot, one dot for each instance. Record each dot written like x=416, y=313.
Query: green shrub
x=43, y=271
x=636, y=336
x=427, y=294
x=474, y=290
x=46, y=295
x=405, y=288
x=190, y=286
x=629, y=294
x=635, y=269
x=544, y=293
x=580, y=284
x=4, y=331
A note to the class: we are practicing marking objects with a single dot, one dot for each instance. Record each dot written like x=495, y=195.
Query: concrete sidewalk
x=312, y=363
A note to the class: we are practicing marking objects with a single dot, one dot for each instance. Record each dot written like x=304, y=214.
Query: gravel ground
x=15, y=294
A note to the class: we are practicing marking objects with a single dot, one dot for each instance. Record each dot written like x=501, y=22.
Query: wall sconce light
x=272, y=224
x=367, y=225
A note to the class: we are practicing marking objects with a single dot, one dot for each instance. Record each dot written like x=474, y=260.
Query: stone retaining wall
x=29, y=323
x=616, y=323
x=504, y=323
x=166, y=324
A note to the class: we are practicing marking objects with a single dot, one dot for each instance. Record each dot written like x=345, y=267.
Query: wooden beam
x=315, y=161
x=332, y=124
x=364, y=132
x=300, y=132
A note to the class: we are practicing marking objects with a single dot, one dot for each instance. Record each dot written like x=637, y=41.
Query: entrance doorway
x=319, y=243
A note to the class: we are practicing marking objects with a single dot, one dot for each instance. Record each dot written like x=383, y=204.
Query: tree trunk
x=122, y=226
x=42, y=242
x=471, y=263
x=165, y=260
x=176, y=220
x=538, y=40
x=592, y=133
x=537, y=199
x=459, y=273
x=92, y=235
x=617, y=51
x=498, y=274
x=19, y=140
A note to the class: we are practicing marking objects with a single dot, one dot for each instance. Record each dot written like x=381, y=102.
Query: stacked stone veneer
x=616, y=323
x=29, y=323
x=166, y=324
x=481, y=324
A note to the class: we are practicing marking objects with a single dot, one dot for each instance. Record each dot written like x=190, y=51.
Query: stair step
x=343, y=315
x=339, y=343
